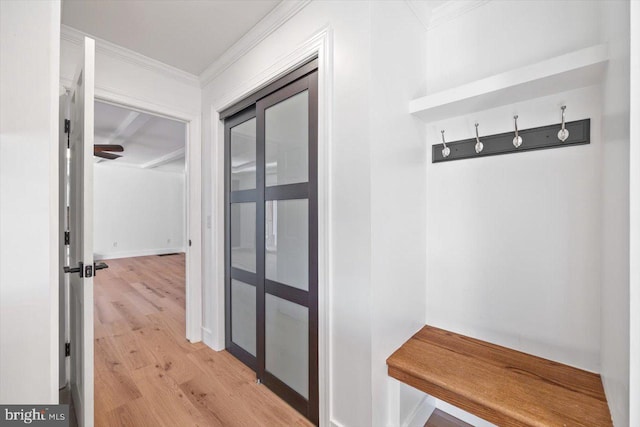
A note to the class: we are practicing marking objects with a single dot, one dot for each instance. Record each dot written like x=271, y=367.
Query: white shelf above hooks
x=581, y=68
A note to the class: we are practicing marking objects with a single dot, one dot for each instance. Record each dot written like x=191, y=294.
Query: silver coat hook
x=479, y=145
x=445, y=151
x=563, y=133
x=517, y=141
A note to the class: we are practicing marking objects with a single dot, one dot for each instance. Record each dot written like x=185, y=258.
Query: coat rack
x=553, y=136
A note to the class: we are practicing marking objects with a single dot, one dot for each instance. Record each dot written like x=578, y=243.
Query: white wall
x=397, y=147
x=137, y=212
x=29, y=48
x=513, y=242
x=615, y=212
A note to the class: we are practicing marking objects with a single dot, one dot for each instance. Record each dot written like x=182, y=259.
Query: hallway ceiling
x=150, y=142
x=189, y=35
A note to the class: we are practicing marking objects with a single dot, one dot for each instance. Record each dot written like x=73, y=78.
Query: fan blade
x=107, y=156
x=108, y=147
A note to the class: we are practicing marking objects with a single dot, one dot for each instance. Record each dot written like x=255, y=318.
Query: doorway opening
x=140, y=231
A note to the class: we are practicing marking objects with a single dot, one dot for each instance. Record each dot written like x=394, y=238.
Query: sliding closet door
x=287, y=138
x=272, y=240
x=241, y=258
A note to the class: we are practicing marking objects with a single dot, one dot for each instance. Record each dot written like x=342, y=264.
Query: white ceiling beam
x=132, y=123
x=163, y=160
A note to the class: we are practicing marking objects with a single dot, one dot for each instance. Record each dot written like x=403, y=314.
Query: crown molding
x=284, y=11
x=446, y=12
x=75, y=37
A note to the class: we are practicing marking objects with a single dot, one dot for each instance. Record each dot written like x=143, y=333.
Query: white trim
x=320, y=45
x=417, y=417
x=193, y=175
x=138, y=253
x=208, y=339
x=421, y=413
x=120, y=53
x=576, y=69
x=54, y=179
x=193, y=217
x=267, y=25
x=634, y=215
x=114, y=96
x=446, y=12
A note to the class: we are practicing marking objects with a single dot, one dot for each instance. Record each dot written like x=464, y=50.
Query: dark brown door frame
x=305, y=78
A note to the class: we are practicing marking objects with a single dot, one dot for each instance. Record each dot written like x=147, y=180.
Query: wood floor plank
x=130, y=314
x=169, y=401
x=113, y=383
x=442, y=419
x=104, y=310
x=148, y=374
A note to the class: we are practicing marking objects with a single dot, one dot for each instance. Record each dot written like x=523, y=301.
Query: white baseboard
x=136, y=253
x=208, y=339
x=422, y=412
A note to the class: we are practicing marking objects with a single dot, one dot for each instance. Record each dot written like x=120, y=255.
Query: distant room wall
x=137, y=212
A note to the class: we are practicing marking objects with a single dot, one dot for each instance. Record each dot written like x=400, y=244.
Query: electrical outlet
x=168, y=240
x=115, y=244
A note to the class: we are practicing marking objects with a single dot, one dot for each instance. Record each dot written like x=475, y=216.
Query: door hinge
x=67, y=349
x=189, y=242
x=88, y=270
x=67, y=130
x=67, y=238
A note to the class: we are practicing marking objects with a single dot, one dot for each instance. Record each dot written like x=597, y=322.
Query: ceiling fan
x=102, y=150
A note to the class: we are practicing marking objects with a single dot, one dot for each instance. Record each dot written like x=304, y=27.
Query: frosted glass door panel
x=243, y=236
x=287, y=141
x=287, y=242
x=287, y=343
x=243, y=315
x=243, y=156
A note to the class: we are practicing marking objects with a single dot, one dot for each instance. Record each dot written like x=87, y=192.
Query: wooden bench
x=498, y=384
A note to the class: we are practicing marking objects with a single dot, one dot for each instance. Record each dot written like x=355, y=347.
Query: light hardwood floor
x=147, y=374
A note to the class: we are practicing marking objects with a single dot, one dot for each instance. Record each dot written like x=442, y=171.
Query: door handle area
x=99, y=266
x=88, y=271
x=79, y=269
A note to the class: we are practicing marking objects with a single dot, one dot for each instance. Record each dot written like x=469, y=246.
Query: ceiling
x=150, y=142
x=189, y=35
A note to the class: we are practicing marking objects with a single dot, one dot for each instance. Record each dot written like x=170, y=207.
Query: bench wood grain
x=498, y=384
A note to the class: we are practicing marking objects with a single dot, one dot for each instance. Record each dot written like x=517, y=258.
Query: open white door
x=81, y=265
x=63, y=280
